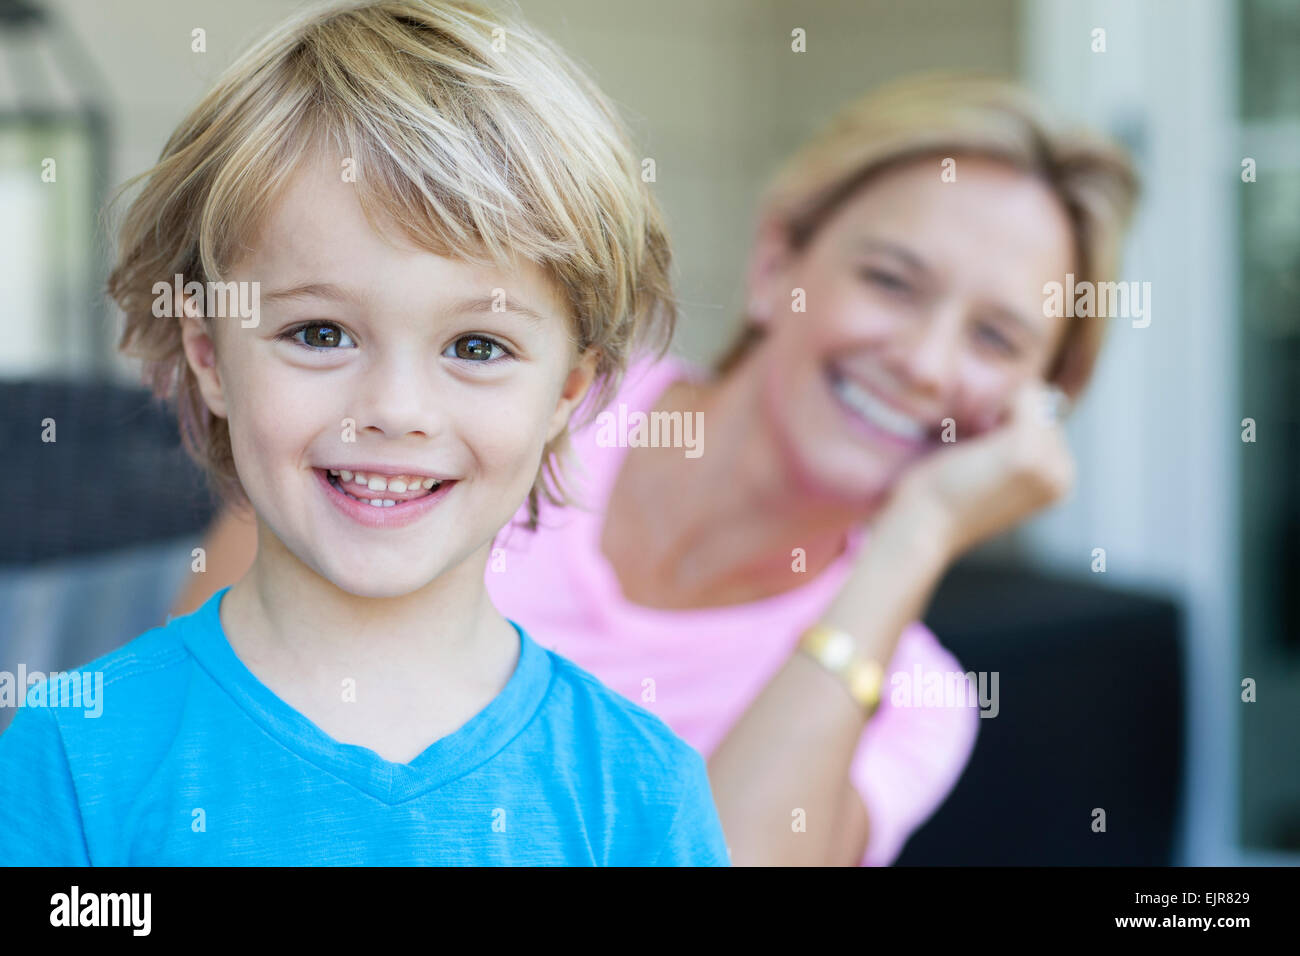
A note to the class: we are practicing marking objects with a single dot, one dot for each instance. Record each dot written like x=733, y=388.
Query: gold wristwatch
x=838, y=652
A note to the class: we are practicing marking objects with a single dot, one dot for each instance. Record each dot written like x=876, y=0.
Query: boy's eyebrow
x=465, y=304
x=312, y=290
x=485, y=303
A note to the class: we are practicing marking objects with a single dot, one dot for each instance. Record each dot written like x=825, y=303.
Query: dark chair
x=96, y=527
x=115, y=476
x=1091, y=695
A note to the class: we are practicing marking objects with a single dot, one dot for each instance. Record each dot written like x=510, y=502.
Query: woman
x=880, y=413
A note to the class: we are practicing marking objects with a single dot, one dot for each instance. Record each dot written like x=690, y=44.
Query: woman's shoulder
x=649, y=375
x=613, y=426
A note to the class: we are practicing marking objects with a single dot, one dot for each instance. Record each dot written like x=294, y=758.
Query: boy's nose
x=398, y=398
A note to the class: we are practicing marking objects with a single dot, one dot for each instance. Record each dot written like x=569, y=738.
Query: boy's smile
x=381, y=497
x=389, y=414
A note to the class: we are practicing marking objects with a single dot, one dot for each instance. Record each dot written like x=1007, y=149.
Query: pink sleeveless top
x=700, y=669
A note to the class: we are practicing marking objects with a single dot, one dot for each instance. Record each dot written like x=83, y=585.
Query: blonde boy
x=447, y=246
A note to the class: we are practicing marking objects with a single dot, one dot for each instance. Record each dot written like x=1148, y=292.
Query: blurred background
x=1120, y=690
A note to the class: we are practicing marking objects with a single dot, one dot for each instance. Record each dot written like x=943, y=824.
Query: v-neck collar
x=456, y=754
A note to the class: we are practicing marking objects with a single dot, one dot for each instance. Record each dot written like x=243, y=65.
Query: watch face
x=838, y=650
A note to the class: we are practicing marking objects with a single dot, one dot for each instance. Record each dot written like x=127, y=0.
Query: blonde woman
x=759, y=596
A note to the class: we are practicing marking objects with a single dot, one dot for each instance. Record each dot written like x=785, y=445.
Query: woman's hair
x=471, y=133
x=942, y=115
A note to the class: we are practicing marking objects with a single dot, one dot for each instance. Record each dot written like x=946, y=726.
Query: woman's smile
x=879, y=419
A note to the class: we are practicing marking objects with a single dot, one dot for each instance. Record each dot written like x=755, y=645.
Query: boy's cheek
x=513, y=449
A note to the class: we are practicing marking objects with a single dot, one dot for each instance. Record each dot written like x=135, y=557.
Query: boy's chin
x=377, y=590
x=376, y=583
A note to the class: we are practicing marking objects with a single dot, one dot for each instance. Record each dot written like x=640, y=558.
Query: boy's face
x=394, y=365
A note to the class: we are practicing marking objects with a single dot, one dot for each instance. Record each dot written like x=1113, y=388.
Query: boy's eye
x=475, y=348
x=321, y=335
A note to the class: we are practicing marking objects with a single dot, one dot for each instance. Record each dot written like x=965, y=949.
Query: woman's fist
x=983, y=485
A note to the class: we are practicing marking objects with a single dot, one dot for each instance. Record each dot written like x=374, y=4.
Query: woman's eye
x=886, y=280
x=476, y=348
x=321, y=335
x=999, y=341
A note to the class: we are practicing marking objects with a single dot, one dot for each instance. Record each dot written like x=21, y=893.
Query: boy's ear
x=575, y=389
x=201, y=354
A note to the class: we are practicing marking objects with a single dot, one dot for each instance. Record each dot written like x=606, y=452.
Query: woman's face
x=922, y=302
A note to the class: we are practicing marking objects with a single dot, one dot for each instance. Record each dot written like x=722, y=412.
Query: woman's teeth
x=377, y=484
x=877, y=412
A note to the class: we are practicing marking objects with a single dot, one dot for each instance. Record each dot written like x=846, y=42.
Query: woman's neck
x=719, y=529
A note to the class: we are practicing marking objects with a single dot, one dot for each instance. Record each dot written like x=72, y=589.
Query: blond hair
x=472, y=133
x=951, y=115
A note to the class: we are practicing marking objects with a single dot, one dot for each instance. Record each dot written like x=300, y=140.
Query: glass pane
x=1270, y=58
x=1269, y=783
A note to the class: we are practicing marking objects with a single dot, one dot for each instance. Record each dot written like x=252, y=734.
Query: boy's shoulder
x=154, y=657
x=125, y=693
x=612, y=720
x=659, y=782
x=158, y=649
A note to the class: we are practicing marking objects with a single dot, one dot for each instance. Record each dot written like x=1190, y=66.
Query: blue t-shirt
x=194, y=761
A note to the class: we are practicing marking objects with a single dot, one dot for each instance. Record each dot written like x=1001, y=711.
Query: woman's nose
x=928, y=358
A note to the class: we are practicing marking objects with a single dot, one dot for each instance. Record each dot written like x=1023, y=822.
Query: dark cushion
x=1091, y=697
x=115, y=476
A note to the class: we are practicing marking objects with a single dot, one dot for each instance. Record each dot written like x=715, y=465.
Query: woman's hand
x=986, y=484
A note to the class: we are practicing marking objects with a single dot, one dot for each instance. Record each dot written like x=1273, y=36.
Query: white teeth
x=877, y=412
x=376, y=483
x=399, y=485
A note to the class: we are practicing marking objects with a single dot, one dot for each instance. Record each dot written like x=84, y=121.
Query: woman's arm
x=229, y=549
x=855, y=825
x=792, y=748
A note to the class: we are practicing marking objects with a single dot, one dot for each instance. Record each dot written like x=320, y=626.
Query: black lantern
x=53, y=181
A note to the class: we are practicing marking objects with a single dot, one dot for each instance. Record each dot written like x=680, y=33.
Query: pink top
x=708, y=664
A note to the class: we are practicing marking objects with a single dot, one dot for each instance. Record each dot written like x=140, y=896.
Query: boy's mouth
x=381, y=490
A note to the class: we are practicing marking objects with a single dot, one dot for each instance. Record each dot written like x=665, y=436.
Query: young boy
x=439, y=245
